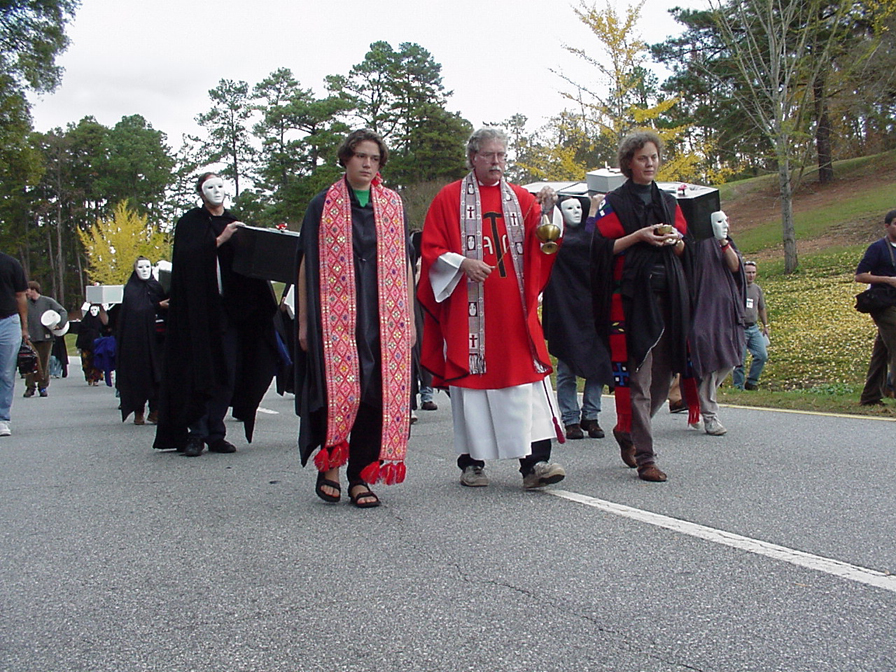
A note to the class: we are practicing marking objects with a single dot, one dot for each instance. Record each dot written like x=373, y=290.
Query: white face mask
x=213, y=191
x=94, y=311
x=572, y=211
x=143, y=269
x=719, y=224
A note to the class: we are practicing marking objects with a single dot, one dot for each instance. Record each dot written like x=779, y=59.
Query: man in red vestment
x=482, y=272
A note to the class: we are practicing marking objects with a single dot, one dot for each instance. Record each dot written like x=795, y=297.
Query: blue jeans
x=425, y=394
x=756, y=345
x=10, y=342
x=568, y=397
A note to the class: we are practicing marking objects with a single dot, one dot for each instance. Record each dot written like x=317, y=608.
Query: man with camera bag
x=878, y=269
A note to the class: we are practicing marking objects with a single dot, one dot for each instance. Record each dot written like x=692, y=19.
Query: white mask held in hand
x=572, y=211
x=143, y=268
x=719, y=225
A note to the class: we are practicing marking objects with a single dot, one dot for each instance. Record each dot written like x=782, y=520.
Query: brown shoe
x=650, y=472
x=574, y=431
x=429, y=406
x=593, y=429
x=138, y=418
x=626, y=448
x=679, y=406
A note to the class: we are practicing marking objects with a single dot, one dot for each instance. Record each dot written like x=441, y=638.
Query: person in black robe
x=641, y=269
x=220, y=348
x=93, y=325
x=285, y=328
x=139, y=355
x=363, y=153
x=568, y=322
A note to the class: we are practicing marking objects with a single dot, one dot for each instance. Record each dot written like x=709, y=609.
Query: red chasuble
x=513, y=336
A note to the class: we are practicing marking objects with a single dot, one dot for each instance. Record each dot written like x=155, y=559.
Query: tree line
x=755, y=87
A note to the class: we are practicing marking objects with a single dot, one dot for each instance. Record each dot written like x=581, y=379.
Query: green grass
x=820, y=345
x=863, y=205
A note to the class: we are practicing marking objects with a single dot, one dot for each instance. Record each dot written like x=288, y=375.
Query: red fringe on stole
x=689, y=386
x=336, y=456
x=390, y=473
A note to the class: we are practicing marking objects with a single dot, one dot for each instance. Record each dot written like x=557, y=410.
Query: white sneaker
x=542, y=474
x=4, y=428
x=474, y=477
x=715, y=428
x=697, y=426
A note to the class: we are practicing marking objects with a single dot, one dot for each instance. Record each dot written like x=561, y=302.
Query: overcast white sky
x=159, y=58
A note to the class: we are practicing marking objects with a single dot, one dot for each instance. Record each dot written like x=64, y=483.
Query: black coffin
x=697, y=203
x=268, y=254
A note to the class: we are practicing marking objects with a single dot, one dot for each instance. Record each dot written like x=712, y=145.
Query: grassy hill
x=820, y=344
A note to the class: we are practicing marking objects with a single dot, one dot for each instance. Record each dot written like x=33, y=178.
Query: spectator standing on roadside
x=878, y=268
x=41, y=337
x=13, y=329
x=756, y=338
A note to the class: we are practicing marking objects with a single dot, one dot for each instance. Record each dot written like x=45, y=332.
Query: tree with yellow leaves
x=112, y=245
x=623, y=98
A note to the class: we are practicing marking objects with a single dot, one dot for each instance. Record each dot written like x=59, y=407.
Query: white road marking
x=870, y=577
x=268, y=411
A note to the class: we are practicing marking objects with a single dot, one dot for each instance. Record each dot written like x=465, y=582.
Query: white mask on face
x=213, y=191
x=572, y=211
x=144, y=269
x=94, y=311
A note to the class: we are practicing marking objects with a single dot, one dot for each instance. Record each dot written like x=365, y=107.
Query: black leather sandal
x=365, y=499
x=322, y=482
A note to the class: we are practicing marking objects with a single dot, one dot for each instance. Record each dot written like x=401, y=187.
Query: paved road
x=115, y=557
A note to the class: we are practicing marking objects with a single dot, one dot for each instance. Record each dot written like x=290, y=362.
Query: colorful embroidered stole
x=338, y=303
x=471, y=236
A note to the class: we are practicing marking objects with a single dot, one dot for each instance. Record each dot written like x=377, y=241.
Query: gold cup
x=548, y=233
x=664, y=229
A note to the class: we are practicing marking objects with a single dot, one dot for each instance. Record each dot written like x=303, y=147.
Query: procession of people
x=631, y=299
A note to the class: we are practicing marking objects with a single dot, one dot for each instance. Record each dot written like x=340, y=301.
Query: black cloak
x=90, y=329
x=287, y=343
x=567, y=315
x=643, y=316
x=197, y=315
x=138, y=358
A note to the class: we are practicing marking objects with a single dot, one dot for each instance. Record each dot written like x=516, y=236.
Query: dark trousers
x=881, y=368
x=41, y=377
x=364, y=441
x=210, y=427
x=541, y=452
